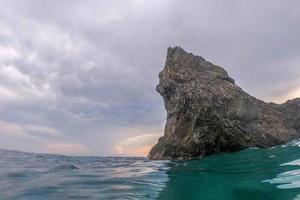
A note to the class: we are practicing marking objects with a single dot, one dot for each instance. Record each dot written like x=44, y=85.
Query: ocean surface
x=254, y=174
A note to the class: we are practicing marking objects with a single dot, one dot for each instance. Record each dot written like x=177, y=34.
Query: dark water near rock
x=264, y=174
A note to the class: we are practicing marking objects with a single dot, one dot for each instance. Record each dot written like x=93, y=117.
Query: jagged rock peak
x=178, y=59
x=207, y=113
x=174, y=53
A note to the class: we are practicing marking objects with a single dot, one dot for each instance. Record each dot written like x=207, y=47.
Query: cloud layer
x=78, y=77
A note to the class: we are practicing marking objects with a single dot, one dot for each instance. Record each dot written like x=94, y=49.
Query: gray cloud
x=86, y=70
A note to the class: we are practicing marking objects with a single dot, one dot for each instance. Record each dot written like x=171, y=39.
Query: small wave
x=63, y=167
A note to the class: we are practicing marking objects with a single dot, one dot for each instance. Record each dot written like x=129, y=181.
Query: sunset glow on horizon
x=138, y=145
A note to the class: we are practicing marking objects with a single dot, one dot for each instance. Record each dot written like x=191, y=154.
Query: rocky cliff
x=208, y=113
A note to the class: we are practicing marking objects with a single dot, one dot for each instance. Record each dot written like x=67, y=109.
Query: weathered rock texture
x=207, y=113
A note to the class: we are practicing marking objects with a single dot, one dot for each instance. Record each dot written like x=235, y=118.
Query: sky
x=79, y=77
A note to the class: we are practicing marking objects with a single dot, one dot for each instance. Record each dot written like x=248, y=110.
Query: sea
x=251, y=174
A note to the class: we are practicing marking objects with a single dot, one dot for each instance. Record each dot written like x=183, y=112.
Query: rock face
x=207, y=113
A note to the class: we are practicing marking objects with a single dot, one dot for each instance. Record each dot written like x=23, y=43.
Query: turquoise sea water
x=254, y=174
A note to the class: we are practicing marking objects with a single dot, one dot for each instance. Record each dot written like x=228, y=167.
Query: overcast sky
x=79, y=77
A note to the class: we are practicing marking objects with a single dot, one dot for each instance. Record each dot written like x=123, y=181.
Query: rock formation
x=208, y=113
